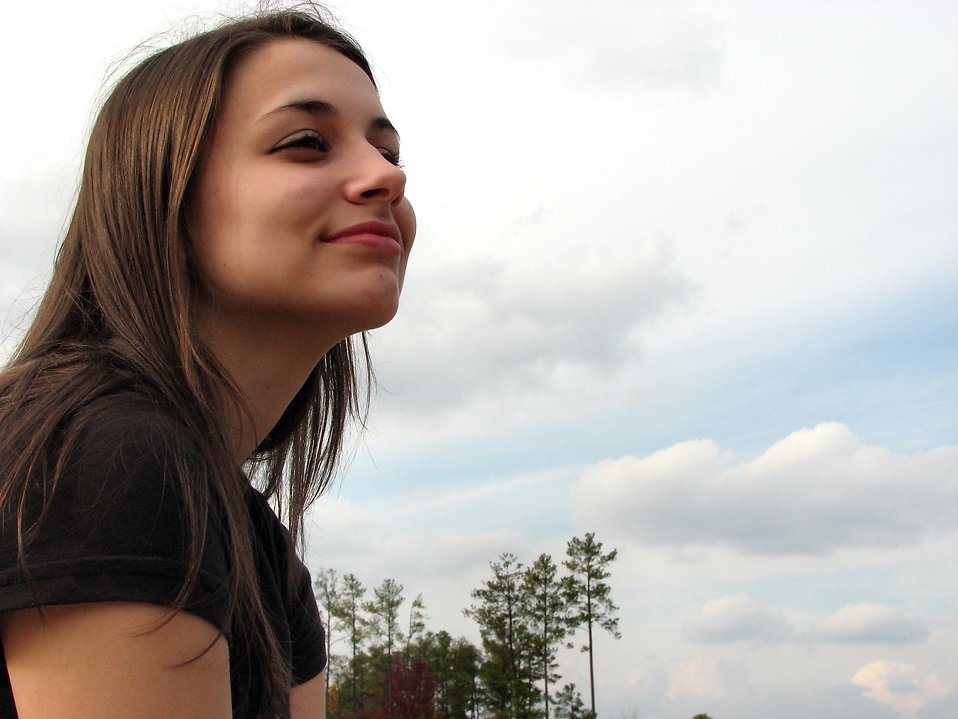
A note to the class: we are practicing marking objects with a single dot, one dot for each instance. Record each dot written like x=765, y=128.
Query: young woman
x=241, y=219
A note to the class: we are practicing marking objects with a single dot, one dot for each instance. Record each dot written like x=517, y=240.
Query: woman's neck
x=269, y=361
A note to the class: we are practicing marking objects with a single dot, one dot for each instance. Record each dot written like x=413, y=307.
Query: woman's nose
x=375, y=179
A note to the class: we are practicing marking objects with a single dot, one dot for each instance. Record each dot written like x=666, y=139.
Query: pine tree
x=588, y=594
x=545, y=611
x=463, y=694
x=382, y=630
x=454, y=664
x=568, y=704
x=382, y=615
x=508, y=683
x=417, y=621
x=349, y=613
x=327, y=596
x=437, y=649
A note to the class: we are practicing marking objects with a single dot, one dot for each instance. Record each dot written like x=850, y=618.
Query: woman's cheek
x=406, y=219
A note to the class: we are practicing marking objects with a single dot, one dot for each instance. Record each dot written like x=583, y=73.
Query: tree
x=463, y=693
x=568, y=704
x=417, y=621
x=437, y=649
x=455, y=666
x=333, y=708
x=349, y=613
x=327, y=596
x=589, y=596
x=410, y=692
x=545, y=611
x=382, y=615
x=507, y=680
x=382, y=628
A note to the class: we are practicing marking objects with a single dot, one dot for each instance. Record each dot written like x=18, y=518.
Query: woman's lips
x=375, y=235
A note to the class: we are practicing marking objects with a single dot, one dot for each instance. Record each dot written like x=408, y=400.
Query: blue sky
x=686, y=277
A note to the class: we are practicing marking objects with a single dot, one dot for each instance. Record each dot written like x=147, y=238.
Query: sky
x=685, y=278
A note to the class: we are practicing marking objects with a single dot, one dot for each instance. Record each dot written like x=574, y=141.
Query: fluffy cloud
x=736, y=618
x=740, y=618
x=814, y=491
x=899, y=686
x=862, y=623
x=373, y=545
x=494, y=327
x=702, y=678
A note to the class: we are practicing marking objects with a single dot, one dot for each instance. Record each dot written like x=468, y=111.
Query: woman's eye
x=391, y=156
x=307, y=141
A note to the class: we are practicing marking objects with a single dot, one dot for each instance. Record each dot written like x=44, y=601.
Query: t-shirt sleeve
x=287, y=593
x=306, y=628
x=114, y=528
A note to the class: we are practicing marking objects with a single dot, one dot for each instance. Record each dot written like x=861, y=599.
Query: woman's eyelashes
x=307, y=141
x=391, y=156
x=314, y=142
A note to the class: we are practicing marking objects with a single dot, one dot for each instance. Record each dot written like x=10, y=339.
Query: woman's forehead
x=295, y=71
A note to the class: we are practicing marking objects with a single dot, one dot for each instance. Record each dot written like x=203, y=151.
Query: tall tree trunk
x=545, y=677
x=588, y=599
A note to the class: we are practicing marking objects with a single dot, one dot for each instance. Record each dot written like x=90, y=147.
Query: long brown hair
x=118, y=313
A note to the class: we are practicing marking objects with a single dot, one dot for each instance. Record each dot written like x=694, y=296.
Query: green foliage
x=588, y=595
x=590, y=598
x=417, y=621
x=455, y=666
x=524, y=615
x=569, y=705
x=507, y=670
x=382, y=615
x=348, y=611
x=546, y=615
x=327, y=596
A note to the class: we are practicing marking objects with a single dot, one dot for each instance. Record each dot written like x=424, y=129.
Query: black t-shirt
x=115, y=531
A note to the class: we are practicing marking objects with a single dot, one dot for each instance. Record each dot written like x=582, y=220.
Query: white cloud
x=863, y=623
x=736, y=618
x=812, y=492
x=899, y=686
x=442, y=565
x=699, y=678
x=487, y=326
x=379, y=544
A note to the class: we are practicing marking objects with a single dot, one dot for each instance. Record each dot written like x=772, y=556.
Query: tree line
x=386, y=664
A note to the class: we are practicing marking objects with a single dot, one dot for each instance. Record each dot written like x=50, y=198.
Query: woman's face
x=298, y=211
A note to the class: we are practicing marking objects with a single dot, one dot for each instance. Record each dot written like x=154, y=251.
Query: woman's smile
x=375, y=235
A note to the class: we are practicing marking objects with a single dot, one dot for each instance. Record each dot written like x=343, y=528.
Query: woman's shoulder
x=127, y=450
x=114, y=525
x=120, y=461
x=127, y=417
x=128, y=443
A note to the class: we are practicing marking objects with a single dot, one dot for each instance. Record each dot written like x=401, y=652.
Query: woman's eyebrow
x=321, y=107
x=314, y=107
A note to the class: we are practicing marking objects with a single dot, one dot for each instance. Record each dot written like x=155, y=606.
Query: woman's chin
x=383, y=315
x=367, y=310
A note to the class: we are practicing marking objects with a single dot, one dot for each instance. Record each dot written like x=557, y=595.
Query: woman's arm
x=308, y=700
x=102, y=660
